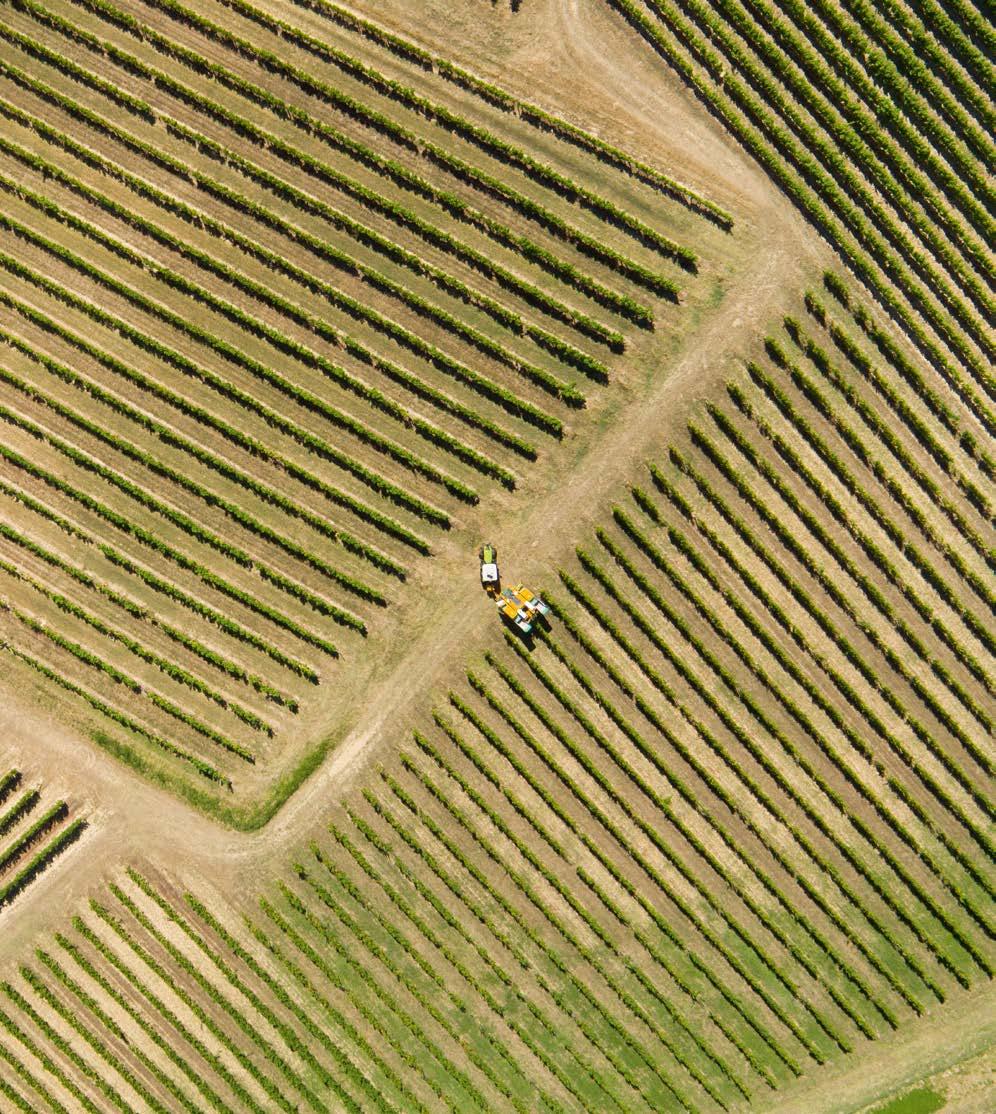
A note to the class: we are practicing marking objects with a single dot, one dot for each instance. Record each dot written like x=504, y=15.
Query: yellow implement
x=533, y=604
x=520, y=607
x=513, y=612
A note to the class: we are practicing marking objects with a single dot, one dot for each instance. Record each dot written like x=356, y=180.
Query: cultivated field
x=296, y=313
x=275, y=322
x=681, y=852
x=34, y=833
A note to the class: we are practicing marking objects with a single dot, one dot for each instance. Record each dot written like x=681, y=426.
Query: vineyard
x=296, y=311
x=34, y=833
x=875, y=120
x=274, y=324
x=686, y=850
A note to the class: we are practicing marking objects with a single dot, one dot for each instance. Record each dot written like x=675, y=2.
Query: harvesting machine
x=519, y=606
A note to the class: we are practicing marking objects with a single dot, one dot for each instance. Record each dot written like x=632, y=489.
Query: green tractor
x=490, y=578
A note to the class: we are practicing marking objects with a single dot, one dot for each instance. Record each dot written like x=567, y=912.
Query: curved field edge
x=665, y=815
x=389, y=492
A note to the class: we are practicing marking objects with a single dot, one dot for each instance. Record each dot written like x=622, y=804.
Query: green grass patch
x=921, y=1101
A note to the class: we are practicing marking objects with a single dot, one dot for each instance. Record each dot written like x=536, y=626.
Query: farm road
x=542, y=524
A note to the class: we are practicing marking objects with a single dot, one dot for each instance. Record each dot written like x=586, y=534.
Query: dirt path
x=950, y=1034
x=650, y=101
x=137, y=818
x=535, y=529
